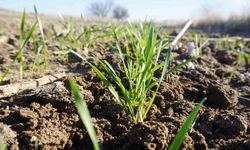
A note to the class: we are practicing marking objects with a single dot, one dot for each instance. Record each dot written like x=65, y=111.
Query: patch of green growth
x=223, y=43
x=86, y=119
x=243, y=58
x=39, y=46
x=134, y=99
x=200, y=42
x=78, y=39
x=139, y=63
x=19, y=56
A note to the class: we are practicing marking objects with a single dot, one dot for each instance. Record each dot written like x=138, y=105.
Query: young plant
x=84, y=113
x=23, y=41
x=243, y=58
x=194, y=48
x=41, y=46
x=86, y=119
x=180, y=136
x=139, y=66
x=202, y=41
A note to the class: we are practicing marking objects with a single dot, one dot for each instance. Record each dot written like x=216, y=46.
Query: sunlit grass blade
x=107, y=83
x=109, y=69
x=84, y=113
x=176, y=67
x=146, y=60
x=23, y=42
x=22, y=24
x=161, y=46
x=180, y=136
x=45, y=57
x=36, y=64
x=166, y=64
x=29, y=34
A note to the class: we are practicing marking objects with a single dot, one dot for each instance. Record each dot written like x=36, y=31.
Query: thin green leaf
x=45, y=57
x=84, y=113
x=166, y=64
x=110, y=67
x=100, y=75
x=37, y=51
x=22, y=24
x=176, y=67
x=29, y=34
x=180, y=136
x=106, y=83
x=149, y=56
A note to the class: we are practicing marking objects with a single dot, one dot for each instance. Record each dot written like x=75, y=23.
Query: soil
x=47, y=114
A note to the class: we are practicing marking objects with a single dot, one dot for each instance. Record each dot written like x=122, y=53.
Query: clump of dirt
x=222, y=129
x=221, y=96
x=8, y=136
x=225, y=57
x=147, y=135
x=48, y=115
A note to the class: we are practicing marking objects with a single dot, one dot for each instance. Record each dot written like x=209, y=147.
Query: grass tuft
x=139, y=64
x=23, y=41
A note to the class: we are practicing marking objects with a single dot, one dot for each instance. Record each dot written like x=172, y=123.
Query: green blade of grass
x=166, y=64
x=37, y=51
x=23, y=43
x=150, y=43
x=109, y=66
x=180, y=136
x=29, y=34
x=107, y=83
x=84, y=113
x=39, y=22
x=45, y=57
x=22, y=24
x=148, y=53
x=19, y=54
x=102, y=77
x=109, y=69
x=176, y=67
x=1, y=77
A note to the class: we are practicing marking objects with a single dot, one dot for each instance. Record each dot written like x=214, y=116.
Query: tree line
x=107, y=8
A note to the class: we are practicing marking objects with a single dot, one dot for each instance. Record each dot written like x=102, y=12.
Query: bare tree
x=101, y=8
x=120, y=12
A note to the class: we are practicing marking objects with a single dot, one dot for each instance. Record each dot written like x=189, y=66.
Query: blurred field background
x=215, y=17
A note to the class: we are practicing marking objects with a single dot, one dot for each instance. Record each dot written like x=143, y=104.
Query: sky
x=158, y=10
